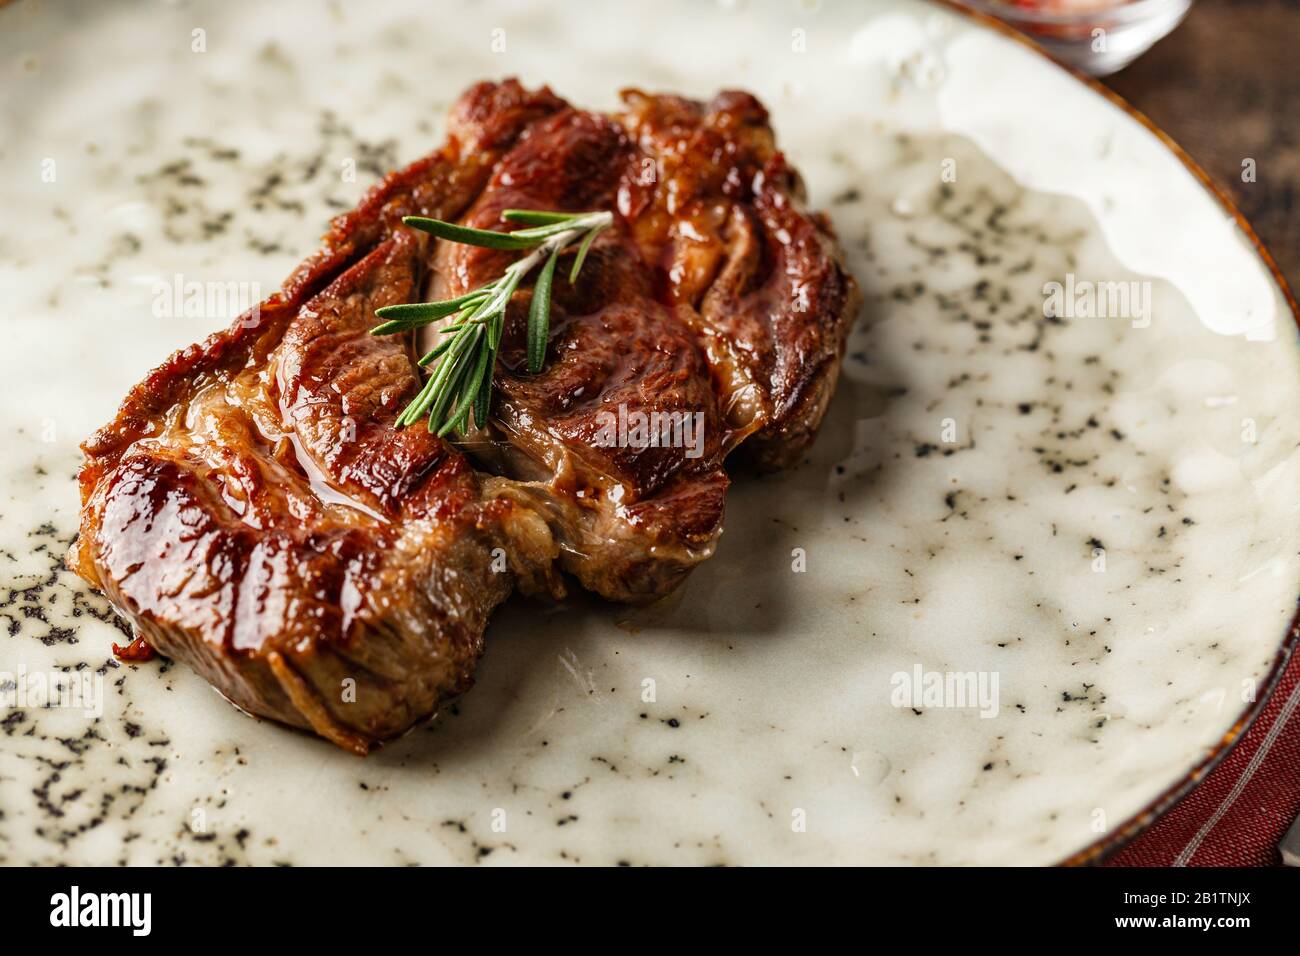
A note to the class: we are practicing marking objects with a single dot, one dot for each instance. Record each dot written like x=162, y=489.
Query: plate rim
x=1100, y=849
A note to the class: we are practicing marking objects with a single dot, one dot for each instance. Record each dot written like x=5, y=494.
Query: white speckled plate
x=1082, y=497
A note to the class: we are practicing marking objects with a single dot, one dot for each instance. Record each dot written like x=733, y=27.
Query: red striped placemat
x=1240, y=811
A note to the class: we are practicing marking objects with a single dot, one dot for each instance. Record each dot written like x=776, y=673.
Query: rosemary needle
x=461, y=381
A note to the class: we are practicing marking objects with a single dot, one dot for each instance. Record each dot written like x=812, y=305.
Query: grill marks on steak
x=253, y=512
x=758, y=279
x=632, y=519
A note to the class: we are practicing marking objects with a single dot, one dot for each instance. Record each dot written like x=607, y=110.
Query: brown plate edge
x=1097, y=851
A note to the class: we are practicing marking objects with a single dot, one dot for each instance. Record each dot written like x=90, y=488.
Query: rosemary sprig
x=464, y=362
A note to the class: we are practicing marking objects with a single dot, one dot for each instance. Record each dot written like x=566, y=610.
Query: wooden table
x=1226, y=86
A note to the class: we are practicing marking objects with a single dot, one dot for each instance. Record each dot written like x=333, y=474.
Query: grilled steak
x=253, y=511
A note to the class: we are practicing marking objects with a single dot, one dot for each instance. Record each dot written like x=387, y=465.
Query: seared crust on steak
x=252, y=510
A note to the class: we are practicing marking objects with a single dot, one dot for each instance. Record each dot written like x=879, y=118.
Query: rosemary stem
x=461, y=381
